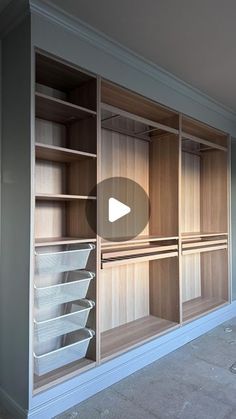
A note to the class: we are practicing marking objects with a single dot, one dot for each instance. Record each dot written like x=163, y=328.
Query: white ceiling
x=193, y=39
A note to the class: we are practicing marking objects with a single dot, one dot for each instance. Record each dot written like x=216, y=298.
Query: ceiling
x=194, y=40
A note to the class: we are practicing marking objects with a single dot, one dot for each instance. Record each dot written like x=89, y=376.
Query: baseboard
x=58, y=399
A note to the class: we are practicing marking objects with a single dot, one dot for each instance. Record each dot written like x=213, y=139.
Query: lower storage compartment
x=74, y=348
x=139, y=301
x=205, y=281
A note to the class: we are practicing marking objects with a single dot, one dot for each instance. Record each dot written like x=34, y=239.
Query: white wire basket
x=75, y=288
x=46, y=362
x=67, y=323
x=69, y=260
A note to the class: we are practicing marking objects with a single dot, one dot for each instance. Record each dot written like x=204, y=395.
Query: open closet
x=95, y=298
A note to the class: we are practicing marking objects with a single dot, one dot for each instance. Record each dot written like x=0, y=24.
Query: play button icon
x=122, y=212
x=117, y=210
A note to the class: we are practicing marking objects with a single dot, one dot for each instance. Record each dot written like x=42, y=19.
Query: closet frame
x=163, y=132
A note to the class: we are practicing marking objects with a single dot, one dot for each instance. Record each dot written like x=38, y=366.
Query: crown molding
x=17, y=10
x=68, y=22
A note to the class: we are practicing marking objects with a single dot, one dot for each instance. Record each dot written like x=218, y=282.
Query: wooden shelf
x=59, y=375
x=54, y=241
x=57, y=110
x=193, y=235
x=208, y=143
x=62, y=197
x=199, y=306
x=60, y=154
x=153, y=126
x=131, y=334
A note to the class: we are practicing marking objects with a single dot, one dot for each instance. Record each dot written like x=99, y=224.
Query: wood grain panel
x=191, y=277
x=199, y=129
x=134, y=103
x=50, y=177
x=119, y=339
x=164, y=185
x=124, y=294
x=164, y=289
x=190, y=193
x=50, y=218
x=214, y=214
x=199, y=306
x=214, y=274
x=48, y=132
x=127, y=157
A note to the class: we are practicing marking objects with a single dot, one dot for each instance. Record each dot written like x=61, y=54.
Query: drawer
x=46, y=362
x=52, y=328
x=74, y=288
x=70, y=260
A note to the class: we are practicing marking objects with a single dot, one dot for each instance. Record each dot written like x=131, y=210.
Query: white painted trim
x=74, y=391
x=100, y=40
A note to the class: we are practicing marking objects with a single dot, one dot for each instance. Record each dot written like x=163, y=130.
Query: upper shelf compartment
x=117, y=102
x=201, y=137
x=57, y=110
x=65, y=110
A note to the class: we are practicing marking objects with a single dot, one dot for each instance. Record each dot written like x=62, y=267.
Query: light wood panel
x=190, y=187
x=57, y=110
x=50, y=177
x=127, y=157
x=214, y=200
x=191, y=277
x=163, y=179
x=164, y=289
x=60, y=154
x=200, y=306
x=51, y=133
x=136, y=104
x=122, y=338
x=214, y=274
x=124, y=294
x=199, y=129
x=50, y=219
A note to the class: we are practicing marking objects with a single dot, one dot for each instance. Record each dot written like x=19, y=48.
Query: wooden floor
x=200, y=305
x=120, y=338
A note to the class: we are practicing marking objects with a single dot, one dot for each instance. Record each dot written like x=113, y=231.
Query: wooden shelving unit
x=150, y=283
x=65, y=175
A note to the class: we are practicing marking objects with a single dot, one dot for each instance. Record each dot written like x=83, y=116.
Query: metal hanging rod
x=109, y=118
x=125, y=132
x=147, y=131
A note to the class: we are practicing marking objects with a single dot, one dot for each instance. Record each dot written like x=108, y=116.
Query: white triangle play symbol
x=116, y=209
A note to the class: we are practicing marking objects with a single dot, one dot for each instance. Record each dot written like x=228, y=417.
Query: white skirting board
x=64, y=396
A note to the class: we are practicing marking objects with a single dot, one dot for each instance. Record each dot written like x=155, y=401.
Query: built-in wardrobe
x=96, y=298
